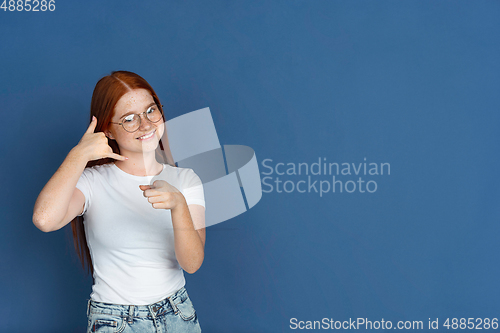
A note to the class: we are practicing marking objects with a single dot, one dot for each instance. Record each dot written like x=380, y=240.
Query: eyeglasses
x=132, y=122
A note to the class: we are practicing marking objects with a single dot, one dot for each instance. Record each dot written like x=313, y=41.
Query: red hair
x=107, y=92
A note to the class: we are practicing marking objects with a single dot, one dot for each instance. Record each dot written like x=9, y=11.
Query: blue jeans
x=172, y=314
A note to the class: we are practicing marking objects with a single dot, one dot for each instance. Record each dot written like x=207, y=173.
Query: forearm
x=54, y=199
x=189, y=247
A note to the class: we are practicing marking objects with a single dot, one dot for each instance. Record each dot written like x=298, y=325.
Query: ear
x=109, y=135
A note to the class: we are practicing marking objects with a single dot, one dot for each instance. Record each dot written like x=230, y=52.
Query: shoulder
x=185, y=175
x=98, y=171
x=181, y=172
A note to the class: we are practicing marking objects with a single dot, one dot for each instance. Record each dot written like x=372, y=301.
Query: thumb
x=92, y=125
x=159, y=183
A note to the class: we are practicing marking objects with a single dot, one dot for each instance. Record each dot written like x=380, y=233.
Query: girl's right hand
x=94, y=146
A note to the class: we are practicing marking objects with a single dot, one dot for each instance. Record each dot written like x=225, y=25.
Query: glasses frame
x=140, y=119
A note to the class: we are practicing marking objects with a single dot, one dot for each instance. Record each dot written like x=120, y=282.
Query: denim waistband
x=130, y=311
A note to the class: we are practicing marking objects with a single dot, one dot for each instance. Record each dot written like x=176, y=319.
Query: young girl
x=136, y=237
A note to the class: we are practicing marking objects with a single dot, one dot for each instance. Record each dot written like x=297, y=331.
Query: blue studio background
x=410, y=83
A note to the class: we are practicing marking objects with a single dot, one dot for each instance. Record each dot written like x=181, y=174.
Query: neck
x=140, y=164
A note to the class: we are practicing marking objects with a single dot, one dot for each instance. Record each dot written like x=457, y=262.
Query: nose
x=145, y=123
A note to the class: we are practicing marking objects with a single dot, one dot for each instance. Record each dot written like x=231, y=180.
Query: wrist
x=77, y=155
x=181, y=203
x=182, y=200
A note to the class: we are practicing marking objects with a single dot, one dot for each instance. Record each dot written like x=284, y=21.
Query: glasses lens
x=131, y=123
x=153, y=114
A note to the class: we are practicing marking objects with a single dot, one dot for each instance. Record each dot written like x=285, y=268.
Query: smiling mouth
x=146, y=136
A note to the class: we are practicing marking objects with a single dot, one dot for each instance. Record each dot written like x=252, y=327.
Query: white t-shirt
x=131, y=243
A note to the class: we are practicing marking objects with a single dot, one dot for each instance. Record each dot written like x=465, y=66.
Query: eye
x=151, y=109
x=129, y=118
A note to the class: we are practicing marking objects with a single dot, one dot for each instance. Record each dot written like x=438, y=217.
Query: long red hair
x=107, y=92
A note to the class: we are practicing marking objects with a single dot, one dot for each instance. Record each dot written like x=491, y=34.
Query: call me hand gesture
x=60, y=201
x=94, y=146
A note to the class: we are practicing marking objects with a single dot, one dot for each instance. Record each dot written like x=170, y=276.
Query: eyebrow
x=131, y=112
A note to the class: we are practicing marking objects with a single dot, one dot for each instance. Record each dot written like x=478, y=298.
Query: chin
x=150, y=146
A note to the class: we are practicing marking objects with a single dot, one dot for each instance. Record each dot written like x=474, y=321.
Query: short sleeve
x=192, y=189
x=84, y=185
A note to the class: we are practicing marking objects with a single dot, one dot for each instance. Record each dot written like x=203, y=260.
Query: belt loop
x=131, y=314
x=172, y=304
x=88, y=308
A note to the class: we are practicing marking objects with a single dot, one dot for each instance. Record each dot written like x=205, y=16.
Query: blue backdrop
x=413, y=84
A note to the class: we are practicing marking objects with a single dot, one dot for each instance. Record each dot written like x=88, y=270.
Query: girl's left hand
x=162, y=195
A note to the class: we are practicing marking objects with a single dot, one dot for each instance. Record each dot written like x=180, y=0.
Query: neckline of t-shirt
x=128, y=175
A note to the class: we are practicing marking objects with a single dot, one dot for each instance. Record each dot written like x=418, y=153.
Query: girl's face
x=147, y=136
